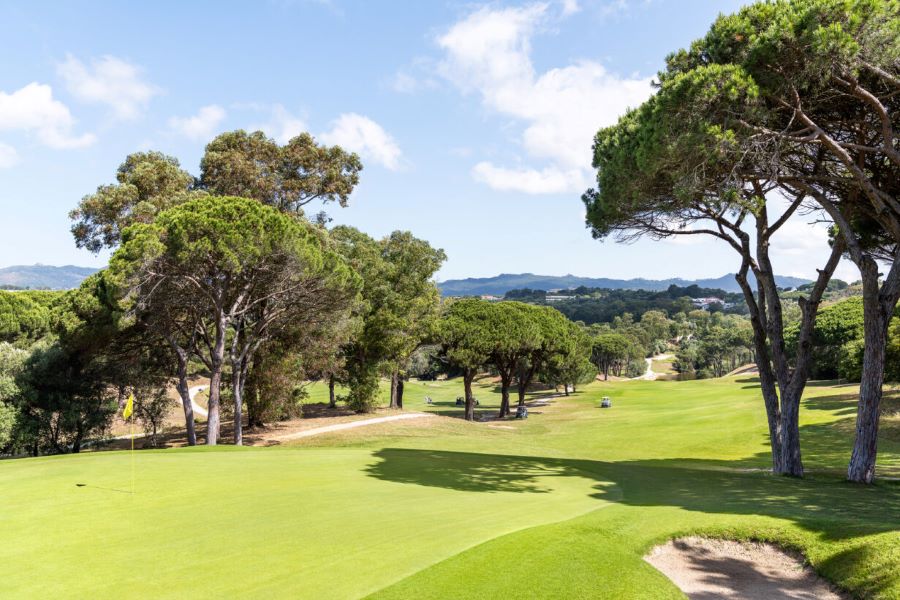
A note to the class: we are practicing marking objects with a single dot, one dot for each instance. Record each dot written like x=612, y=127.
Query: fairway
x=564, y=504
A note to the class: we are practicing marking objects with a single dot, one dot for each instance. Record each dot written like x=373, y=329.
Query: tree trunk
x=766, y=377
x=185, y=394
x=212, y=409
x=791, y=461
x=394, y=377
x=878, y=307
x=468, y=377
x=865, y=447
x=332, y=399
x=505, y=380
x=217, y=360
x=524, y=379
x=521, y=387
x=400, y=393
x=182, y=357
x=237, y=390
x=251, y=397
x=566, y=389
x=792, y=392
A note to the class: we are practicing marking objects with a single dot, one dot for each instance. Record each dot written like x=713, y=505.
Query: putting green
x=282, y=522
x=561, y=505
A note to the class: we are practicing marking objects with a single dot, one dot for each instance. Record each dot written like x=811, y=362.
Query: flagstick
x=132, y=451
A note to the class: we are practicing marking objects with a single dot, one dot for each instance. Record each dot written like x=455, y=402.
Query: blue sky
x=473, y=120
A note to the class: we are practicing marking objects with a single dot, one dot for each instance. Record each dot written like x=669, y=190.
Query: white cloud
x=363, y=135
x=8, y=156
x=489, y=53
x=550, y=180
x=689, y=240
x=570, y=7
x=108, y=80
x=800, y=236
x=801, y=246
x=33, y=109
x=283, y=125
x=201, y=126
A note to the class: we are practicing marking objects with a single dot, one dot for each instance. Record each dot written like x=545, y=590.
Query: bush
x=636, y=368
x=363, y=395
x=152, y=405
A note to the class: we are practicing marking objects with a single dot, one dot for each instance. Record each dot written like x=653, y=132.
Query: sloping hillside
x=44, y=276
x=500, y=284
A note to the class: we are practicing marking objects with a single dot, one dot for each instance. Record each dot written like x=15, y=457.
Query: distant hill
x=501, y=284
x=44, y=276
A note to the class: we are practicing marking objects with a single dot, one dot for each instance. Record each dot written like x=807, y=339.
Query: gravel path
x=349, y=425
x=649, y=374
x=192, y=393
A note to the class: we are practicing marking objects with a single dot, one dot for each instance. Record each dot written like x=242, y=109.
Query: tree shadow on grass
x=827, y=446
x=840, y=404
x=823, y=504
x=489, y=406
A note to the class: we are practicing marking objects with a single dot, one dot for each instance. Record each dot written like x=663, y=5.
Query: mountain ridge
x=500, y=284
x=40, y=276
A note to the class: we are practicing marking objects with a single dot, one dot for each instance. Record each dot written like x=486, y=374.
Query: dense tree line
x=221, y=275
x=718, y=344
x=599, y=305
x=839, y=339
x=522, y=342
x=25, y=315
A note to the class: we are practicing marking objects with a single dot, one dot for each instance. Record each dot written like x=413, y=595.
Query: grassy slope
x=563, y=504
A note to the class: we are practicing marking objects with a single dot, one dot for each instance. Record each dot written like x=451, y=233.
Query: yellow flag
x=129, y=407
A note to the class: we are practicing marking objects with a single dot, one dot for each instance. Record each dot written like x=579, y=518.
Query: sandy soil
x=705, y=569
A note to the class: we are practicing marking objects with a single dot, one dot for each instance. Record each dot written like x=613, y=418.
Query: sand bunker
x=705, y=569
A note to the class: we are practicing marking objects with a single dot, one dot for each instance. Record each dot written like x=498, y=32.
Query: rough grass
x=563, y=504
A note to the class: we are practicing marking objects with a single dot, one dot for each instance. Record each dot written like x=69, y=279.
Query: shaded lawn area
x=849, y=534
x=443, y=395
x=708, y=480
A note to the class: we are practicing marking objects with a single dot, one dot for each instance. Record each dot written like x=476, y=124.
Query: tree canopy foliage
x=235, y=163
x=147, y=183
x=398, y=309
x=808, y=93
x=520, y=341
x=26, y=316
x=774, y=100
x=288, y=177
x=244, y=269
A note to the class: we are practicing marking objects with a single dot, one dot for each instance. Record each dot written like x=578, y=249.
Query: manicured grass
x=563, y=504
